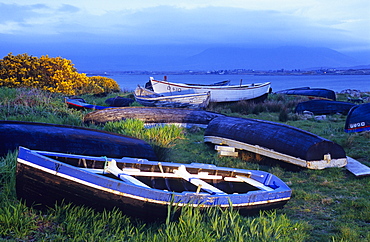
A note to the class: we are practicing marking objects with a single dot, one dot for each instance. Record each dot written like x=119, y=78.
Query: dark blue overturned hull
x=358, y=119
x=311, y=92
x=324, y=107
x=275, y=140
x=47, y=177
x=70, y=139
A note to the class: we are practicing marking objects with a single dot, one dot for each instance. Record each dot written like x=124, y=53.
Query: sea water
x=336, y=83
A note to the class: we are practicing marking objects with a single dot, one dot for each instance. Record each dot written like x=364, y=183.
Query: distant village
x=330, y=71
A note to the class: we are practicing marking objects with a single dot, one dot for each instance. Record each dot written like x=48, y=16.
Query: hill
x=269, y=58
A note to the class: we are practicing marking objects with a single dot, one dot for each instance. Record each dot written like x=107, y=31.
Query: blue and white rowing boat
x=142, y=188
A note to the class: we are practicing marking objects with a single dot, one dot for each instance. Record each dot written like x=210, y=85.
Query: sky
x=340, y=25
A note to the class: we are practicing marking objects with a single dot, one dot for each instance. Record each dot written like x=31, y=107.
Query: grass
x=326, y=205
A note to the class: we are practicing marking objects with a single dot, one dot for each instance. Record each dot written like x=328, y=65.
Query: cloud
x=33, y=19
x=182, y=24
x=214, y=25
x=66, y=8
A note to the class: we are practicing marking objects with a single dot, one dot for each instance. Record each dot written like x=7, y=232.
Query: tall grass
x=227, y=225
x=160, y=137
x=25, y=104
x=7, y=176
x=275, y=103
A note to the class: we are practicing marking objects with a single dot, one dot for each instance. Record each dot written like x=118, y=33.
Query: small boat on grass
x=277, y=141
x=222, y=93
x=358, y=119
x=80, y=103
x=320, y=93
x=149, y=98
x=153, y=115
x=70, y=139
x=141, y=188
x=319, y=107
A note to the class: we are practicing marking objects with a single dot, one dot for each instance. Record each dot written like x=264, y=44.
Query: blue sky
x=330, y=23
x=339, y=25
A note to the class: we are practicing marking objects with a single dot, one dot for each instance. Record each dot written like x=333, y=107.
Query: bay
x=336, y=83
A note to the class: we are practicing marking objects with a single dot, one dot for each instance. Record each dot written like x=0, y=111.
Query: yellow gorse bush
x=52, y=74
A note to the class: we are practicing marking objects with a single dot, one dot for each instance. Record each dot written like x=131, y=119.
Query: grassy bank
x=327, y=205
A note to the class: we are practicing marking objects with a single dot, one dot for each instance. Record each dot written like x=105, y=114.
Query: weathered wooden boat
x=324, y=107
x=70, y=139
x=79, y=103
x=143, y=188
x=153, y=115
x=277, y=141
x=358, y=119
x=228, y=93
x=151, y=99
x=320, y=93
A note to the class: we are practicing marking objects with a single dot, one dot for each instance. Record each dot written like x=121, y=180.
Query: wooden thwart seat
x=183, y=173
x=127, y=175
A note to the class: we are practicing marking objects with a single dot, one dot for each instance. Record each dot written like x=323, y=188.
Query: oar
x=112, y=168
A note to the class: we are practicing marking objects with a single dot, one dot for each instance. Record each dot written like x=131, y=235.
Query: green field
x=326, y=205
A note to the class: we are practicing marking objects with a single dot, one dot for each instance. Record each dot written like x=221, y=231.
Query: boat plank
x=254, y=183
x=357, y=168
x=182, y=172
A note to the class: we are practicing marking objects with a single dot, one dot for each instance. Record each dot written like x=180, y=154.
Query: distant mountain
x=118, y=57
x=269, y=58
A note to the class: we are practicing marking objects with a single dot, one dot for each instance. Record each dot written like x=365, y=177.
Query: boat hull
x=71, y=139
x=151, y=99
x=79, y=104
x=358, y=119
x=320, y=93
x=324, y=107
x=153, y=115
x=277, y=141
x=41, y=179
x=218, y=93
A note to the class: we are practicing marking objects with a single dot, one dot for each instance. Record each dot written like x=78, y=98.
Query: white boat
x=228, y=93
x=149, y=98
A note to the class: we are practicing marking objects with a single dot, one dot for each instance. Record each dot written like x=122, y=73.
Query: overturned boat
x=141, y=188
x=70, y=139
x=358, y=119
x=153, y=115
x=324, y=107
x=277, y=141
x=320, y=93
